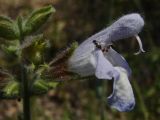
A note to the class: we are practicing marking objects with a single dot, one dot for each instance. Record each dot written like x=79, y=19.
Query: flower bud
x=37, y=19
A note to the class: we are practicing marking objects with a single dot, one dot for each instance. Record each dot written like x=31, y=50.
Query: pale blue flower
x=95, y=56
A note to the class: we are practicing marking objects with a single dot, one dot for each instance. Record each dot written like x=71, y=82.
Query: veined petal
x=117, y=60
x=104, y=69
x=122, y=97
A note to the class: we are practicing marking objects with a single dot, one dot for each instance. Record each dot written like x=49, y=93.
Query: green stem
x=24, y=80
x=25, y=93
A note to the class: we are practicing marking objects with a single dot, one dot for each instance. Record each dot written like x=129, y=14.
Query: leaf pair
x=10, y=29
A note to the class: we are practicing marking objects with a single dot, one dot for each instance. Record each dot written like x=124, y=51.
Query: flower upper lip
x=125, y=27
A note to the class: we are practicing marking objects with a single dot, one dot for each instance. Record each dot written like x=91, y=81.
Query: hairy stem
x=24, y=80
x=26, y=95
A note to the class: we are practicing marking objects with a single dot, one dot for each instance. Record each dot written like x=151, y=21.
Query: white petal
x=104, y=69
x=84, y=66
x=117, y=60
x=122, y=97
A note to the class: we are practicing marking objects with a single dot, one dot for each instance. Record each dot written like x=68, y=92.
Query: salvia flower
x=95, y=56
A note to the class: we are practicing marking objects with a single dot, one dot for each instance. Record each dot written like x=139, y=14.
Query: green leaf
x=12, y=89
x=8, y=28
x=52, y=84
x=40, y=86
x=9, y=53
x=43, y=86
x=37, y=19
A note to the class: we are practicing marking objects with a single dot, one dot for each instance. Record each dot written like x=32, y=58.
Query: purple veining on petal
x=122, y=97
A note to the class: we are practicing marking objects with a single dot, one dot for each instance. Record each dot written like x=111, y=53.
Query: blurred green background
x=76, y=20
